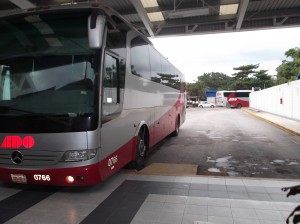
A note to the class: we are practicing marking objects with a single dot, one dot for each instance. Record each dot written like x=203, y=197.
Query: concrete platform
x=286, y=124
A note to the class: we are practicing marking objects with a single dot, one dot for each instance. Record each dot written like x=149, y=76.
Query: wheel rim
x=141, y=147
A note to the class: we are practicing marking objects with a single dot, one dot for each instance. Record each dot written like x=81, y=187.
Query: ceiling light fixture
x=228, y=9
x=155, y=16
x=149, y=3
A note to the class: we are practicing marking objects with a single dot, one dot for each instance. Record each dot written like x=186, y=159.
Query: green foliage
x=244, y=71
x=195, y=89
x=263, y=80
x=246, y=77
x=215, y=80
x=289, y=69
x=212, y=80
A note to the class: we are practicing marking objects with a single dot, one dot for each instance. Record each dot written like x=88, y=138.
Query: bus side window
x=113, y=87
x=110, y=82
x=140, y=58
x=5, y=82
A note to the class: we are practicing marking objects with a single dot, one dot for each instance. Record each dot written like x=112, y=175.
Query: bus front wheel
x=239, y=106
x=141, y=149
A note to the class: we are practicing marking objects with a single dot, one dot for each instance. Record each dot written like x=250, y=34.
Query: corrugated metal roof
x=272, y=5
x=258, y=14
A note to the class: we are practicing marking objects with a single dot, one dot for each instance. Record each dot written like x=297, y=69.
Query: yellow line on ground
x=273, y=123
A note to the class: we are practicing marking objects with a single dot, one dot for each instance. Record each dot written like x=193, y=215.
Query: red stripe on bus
x=91, y=174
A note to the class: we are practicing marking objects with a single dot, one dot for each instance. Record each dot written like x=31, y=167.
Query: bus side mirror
x=96, y=25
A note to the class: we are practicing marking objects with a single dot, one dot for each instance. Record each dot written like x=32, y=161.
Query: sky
x=198, y=54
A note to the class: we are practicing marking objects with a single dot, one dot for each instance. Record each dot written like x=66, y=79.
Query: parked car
x=203, y=104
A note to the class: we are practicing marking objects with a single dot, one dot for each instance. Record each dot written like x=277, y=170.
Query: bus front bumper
x=78, y=176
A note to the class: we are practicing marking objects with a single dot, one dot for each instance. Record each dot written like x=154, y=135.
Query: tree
x=212, y=80
x=262, y=79
x=195, y=89
x=262, y=75
x=289, y=69
x=215, y=80
x=248, y=77
x=244, y=71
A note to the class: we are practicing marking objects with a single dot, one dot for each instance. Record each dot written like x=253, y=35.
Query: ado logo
x=16, y=142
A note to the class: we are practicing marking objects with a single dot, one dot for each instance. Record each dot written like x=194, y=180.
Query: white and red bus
x=82, y=94
x=233, y=99
x=221, y=98
x=239, y=98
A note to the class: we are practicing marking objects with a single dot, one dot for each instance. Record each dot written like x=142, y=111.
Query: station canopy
x=188, y=17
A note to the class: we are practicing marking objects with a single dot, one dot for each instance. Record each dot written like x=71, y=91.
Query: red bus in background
x=239, y=98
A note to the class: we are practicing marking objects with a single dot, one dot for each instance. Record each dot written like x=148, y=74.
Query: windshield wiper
x=7, y=109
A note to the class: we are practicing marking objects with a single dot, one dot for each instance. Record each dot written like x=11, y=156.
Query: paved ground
x=144, y=199
x=222, y=141
x=190, y=199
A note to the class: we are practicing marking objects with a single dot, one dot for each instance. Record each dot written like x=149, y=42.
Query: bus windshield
x=46, y=66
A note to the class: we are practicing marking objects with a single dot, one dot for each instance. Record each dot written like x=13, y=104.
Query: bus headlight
x=79, y=155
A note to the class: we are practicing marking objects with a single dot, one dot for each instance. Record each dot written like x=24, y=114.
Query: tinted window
x=242, y=94
x=140, y=61
x=110, y=82
x=226, y=94
x=170, y=75
x=155, y=64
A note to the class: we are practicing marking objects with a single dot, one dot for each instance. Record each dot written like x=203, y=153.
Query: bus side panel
x=242, y=102
x=166, y=120
x=160, y=105
x=118, y=135
x=240, y=97
x=115, y=161
x=121, y=130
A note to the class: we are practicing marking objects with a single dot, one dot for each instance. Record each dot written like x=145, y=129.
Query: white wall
x=283, y=100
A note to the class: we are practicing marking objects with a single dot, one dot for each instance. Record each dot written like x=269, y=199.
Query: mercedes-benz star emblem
x=17, y=157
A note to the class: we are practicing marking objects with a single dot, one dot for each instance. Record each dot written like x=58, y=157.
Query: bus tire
x=239, y=106
x=140, y=150
x=176, y=131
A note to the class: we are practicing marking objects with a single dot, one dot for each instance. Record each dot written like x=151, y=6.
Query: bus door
x=112, y=104
x=114, y=133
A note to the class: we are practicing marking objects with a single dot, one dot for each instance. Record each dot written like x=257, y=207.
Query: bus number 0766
x=41, y=177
